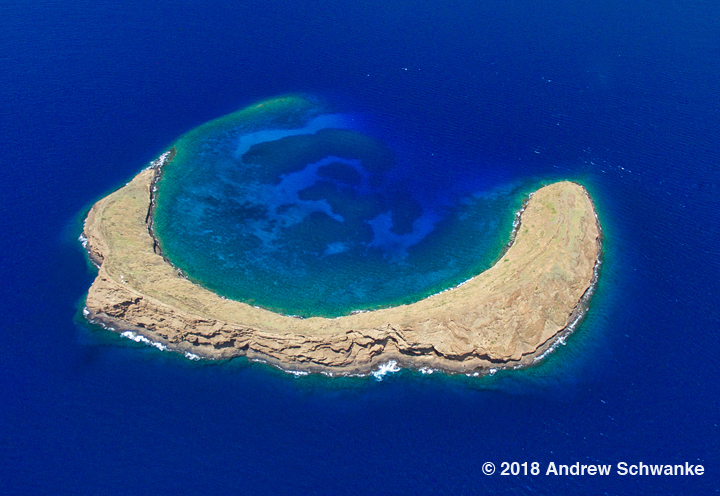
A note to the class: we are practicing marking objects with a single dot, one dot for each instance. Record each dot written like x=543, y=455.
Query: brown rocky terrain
x=504, y=317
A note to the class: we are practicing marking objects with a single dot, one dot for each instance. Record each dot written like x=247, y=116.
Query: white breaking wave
x=560, y=341
x=386, y=368
x=84, y=242
x=297, y=373
x=160, y=161
x=479, y=373
x=138, y=338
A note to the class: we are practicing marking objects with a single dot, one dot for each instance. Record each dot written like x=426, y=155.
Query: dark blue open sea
x=476, y=99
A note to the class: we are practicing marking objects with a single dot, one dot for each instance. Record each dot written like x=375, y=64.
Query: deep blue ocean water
x=623, y=97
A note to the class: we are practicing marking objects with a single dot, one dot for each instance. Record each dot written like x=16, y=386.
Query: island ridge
x=504, y=317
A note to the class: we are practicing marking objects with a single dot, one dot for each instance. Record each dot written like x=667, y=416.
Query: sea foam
x=386, y=368
x=138, y=338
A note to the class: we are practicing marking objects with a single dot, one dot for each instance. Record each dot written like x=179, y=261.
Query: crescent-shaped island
x=285, y=205
x=504, y=317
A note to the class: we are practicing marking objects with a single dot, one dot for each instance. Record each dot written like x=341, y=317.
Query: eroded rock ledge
x=504, y=317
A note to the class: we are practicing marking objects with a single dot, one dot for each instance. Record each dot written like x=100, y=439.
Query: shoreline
x=446, y=331
x=157, y=166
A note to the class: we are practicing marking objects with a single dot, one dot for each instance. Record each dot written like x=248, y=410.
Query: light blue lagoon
x=290, y=206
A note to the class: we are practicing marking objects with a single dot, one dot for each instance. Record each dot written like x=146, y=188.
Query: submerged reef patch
x=292, y=206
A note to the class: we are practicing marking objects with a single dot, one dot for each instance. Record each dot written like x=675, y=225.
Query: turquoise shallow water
x=298, y=208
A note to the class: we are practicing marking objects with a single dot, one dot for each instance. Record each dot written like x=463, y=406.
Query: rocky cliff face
x=504, y=317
